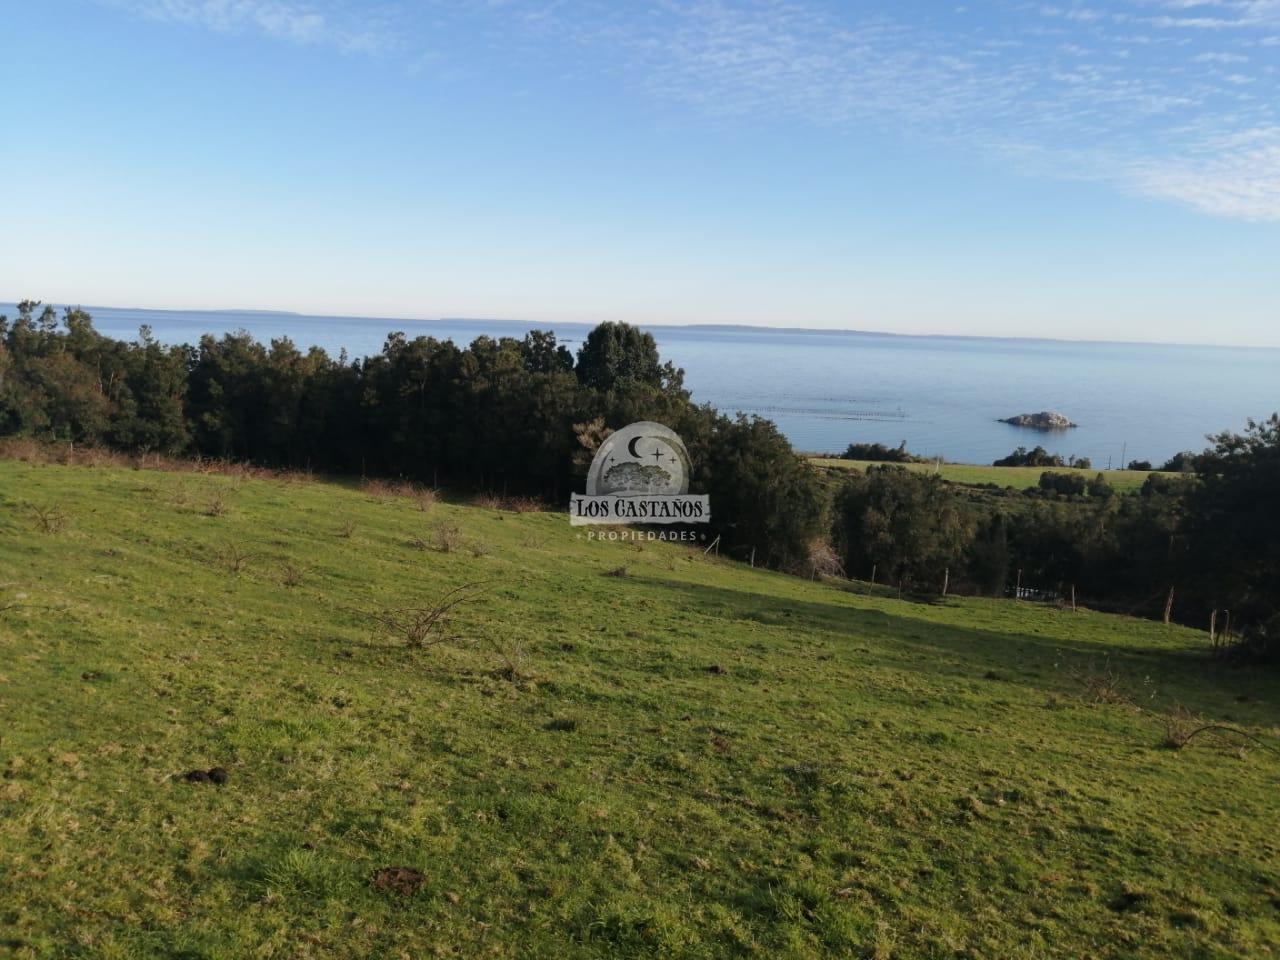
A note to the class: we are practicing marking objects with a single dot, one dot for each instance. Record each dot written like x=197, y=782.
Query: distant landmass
x=1044, y=420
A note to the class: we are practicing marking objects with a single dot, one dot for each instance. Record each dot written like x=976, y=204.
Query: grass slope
x=694, y=759
x=1020, y=477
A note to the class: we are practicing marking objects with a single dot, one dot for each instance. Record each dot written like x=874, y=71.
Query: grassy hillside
x=624, y=751
x=1020, y=477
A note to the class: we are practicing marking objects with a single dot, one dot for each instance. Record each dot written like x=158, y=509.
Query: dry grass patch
x=391, y=491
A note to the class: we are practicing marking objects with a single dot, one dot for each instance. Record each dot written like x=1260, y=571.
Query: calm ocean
x=942, y=395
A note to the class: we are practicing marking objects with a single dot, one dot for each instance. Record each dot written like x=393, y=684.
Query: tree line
x=1204, y=541
x=505, y=415
x=523, y=416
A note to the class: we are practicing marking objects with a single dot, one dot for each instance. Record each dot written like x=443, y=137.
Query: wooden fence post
x=1073, y=598
x=1017, y=590
x=946, y=580
x=1168, y=607
x=1213, y=629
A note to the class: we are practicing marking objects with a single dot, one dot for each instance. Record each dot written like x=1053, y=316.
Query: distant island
x=1044, y=420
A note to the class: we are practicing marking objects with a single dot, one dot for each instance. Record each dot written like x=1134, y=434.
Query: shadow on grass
x=1046, y=662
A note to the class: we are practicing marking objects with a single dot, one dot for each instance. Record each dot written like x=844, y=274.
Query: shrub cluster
x=1040, y=457
x=1213, y=536
x=880, y=453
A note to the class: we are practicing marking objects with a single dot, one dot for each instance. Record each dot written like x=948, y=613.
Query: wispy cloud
x=295, y=22
x=1110, y=91
x=1178, y=100
x=1237, y=175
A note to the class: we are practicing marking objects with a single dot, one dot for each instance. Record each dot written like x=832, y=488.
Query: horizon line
x=851, y=331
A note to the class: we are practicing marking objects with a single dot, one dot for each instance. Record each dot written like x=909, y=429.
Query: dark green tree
x=911, y=527
x=618, y=355
x=1233, y=526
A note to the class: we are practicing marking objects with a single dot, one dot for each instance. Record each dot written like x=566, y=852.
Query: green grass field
x=619, y=750
x=1020, y=477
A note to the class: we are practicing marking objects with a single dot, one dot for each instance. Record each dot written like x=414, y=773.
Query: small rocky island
x=1044, y=420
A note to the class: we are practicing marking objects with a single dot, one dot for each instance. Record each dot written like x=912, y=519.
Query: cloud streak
x=1236, y=176
x=294, y=22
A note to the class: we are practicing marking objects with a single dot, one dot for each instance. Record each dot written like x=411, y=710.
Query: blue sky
x=1087, y=170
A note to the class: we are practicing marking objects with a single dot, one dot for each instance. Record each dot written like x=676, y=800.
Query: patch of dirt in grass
x=1128, y=899
x=398, y=881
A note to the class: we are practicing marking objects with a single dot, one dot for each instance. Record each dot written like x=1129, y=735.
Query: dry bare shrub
x=424, y=498
x=379, y=490
x=619, y=572
x=478, y=548
x=1181, y=726
x=528, y=505
x=424, y=626
x=448, y=536
x=822, y=560
x=303, y=476
x=589, y=435
x=48, y=518
x=388, y=491
x=491, y=501
x=233, y=557
x=233, y=469
x=45, y=452
x=179, y=495
x=24, y=449
x=218, y=504
x=290, y=576
x=347, y=529
x=510, y=658
x=1101, y=684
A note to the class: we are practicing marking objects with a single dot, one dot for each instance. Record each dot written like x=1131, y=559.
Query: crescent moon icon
x=631, y=447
